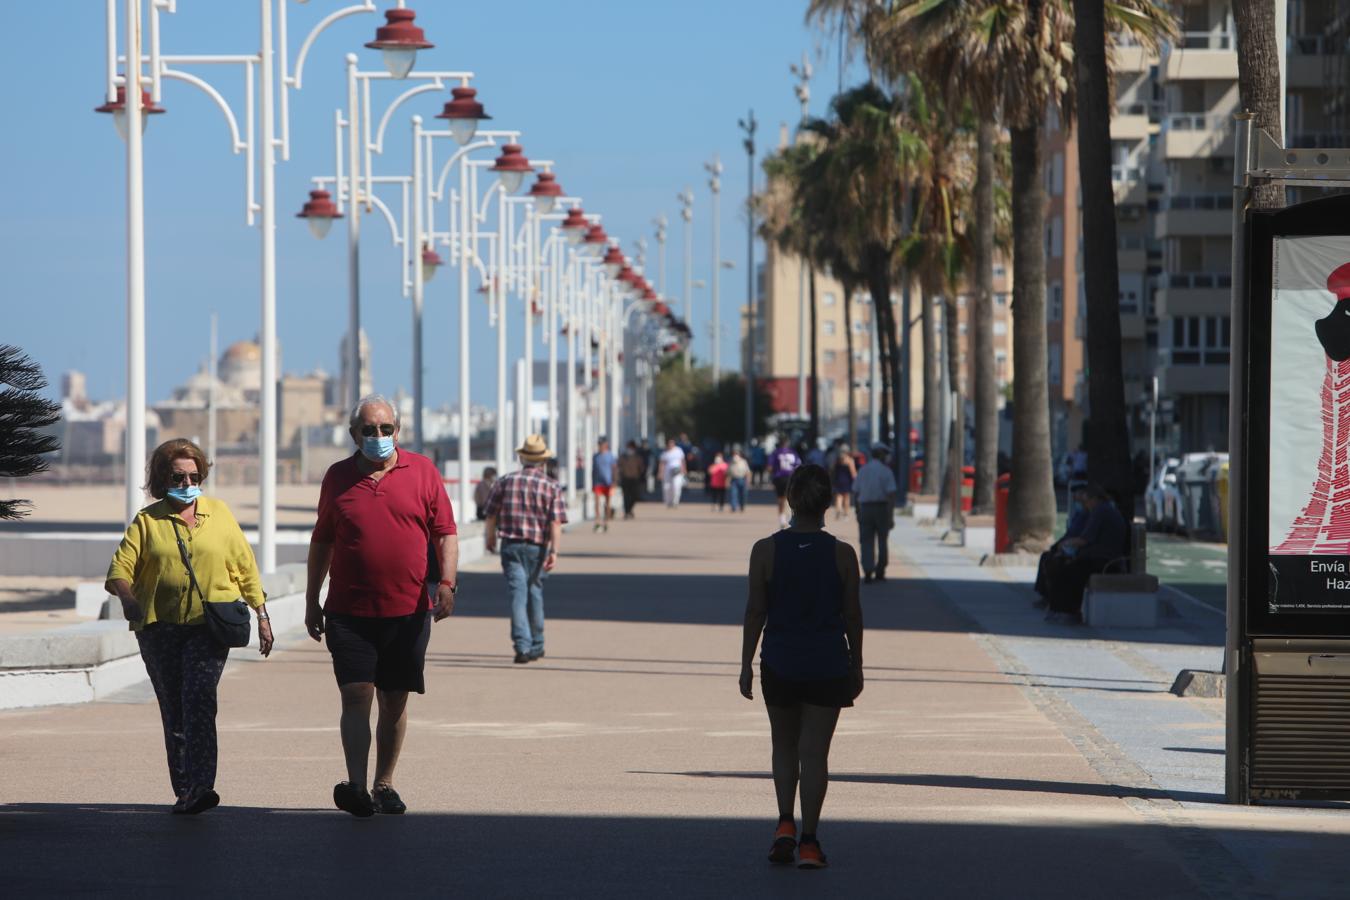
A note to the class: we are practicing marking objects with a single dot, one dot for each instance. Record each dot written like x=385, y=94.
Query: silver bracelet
x=263, y=616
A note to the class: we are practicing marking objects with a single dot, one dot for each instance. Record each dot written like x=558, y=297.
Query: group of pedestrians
x=386, y=541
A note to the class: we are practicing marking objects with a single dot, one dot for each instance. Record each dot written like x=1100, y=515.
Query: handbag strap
x=187, y=561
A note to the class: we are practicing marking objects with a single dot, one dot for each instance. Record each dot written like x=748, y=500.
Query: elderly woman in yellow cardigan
x=149, y=574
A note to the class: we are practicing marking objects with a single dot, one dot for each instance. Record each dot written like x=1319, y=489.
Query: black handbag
x=229, y=620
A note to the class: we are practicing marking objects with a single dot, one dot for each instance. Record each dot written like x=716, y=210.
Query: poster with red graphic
x=1309, y=552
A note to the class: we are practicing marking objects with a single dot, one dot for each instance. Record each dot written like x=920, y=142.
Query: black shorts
x=389, y=652
x=780, y=486
x=780, y=691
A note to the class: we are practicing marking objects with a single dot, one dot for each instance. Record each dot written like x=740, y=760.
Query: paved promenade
x=625, y=763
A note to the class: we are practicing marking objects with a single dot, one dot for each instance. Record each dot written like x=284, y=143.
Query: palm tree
x=856, y=185
x=784, y=222
x=1108, y=438
x=23, y=412
x=1259, y=81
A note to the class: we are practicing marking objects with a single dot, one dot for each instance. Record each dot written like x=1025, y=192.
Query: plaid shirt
x=525, y=504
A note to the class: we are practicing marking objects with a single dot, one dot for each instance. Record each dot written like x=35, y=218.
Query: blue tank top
x=804, y=631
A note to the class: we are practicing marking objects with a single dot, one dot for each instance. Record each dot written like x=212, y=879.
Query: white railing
x=1121, y=174
x=1206, y=40
x=1313, y=45
x=1202, y=202
x=1192, y=280
x=1197, y=121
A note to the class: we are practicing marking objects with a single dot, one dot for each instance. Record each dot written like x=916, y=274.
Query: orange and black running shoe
x=783, y=851
x=810, y=856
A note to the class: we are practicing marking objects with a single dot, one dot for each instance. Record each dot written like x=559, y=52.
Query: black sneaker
x=204, y=801
x=538, y=654
x=350, y=798
x=522, y=658
x=387, y=801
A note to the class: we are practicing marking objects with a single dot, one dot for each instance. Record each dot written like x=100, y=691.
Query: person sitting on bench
x=1102, y=540
x=1053, y=559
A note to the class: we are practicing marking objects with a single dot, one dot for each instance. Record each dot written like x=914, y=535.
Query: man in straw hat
x=527, y=511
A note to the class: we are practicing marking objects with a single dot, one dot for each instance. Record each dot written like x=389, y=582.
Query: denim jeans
x=523, y=564
x=737, y=494
x=874, y=526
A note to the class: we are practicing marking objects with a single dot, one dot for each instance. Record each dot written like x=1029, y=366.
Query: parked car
x=1197, y=480
x=1162, y=497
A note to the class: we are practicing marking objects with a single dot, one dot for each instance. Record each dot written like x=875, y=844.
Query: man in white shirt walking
x=874, y=497
x=672, y=468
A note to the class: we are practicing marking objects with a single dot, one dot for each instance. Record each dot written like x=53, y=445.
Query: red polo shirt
x=380, y=531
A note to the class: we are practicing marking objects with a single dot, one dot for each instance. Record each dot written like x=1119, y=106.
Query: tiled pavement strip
x=990, y=756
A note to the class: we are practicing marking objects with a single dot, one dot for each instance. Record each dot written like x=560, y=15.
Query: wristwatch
x=454, y=588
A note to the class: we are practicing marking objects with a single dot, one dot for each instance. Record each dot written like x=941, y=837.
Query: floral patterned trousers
x=185, y=663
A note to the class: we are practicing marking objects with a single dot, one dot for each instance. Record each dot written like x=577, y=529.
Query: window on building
x=1000, y=327
x=827, y=327
x=1057, y=175
x=1000, y=270
x=828, y=357
x=828, y=298
x=859, y=326
x=1056, y=367
x=961, y=328
x=1200, y=340
x=1001, y=299
x=1054, y=303
x=860, y=356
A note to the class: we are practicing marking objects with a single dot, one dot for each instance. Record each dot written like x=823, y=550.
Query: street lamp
x=398, y=41
x=275, y=78
x=319, y=212
x=118, y=108
x=545, y=192
x=575, y=225
x=463, y=114
x=595, y=239
x=613, y=261
x=431, y=261
x=511, y=167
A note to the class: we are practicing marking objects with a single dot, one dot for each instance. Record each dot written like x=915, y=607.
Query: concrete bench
x=1121, y=601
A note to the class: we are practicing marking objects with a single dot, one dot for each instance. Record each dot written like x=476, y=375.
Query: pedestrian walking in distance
x=632, y=469
x=181, y=552
x=738, y=478
x=673, y=467
x=382, y=512
x=481, y=492
x=782, y=463
x=874, y=496
x=804, y=601
x=526, y=512
x=844, y=471
x=603, y=464
x=717, y=482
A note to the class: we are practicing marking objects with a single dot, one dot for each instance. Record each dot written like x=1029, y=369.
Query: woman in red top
x=717, y=482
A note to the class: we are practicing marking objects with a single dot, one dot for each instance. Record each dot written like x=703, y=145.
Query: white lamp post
x=263, y=62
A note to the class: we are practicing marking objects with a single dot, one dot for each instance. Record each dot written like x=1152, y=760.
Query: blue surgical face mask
x=184, y=495
x=377, y=448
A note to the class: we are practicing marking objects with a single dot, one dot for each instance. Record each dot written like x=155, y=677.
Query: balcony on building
x=1129, y=184
x=1179, y=294
x=1311, y=60
x=1201, y=56
x=1194, y=215
x=1197, y=135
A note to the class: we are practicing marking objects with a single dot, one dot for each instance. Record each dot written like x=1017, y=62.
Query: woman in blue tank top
x=804, y=600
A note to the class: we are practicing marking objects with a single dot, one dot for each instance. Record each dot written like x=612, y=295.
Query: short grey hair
x=372, y=400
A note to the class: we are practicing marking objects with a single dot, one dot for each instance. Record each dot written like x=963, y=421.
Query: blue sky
x=630, y=99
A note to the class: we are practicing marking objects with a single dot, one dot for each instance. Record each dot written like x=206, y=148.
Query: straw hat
x=534, y=450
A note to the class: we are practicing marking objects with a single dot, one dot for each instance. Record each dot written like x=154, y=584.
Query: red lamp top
x=319, y=206
x=625, y=275
x=613, y=257
x=148, y=106
x=661, y=309
x=1338, y=282
x=431, y=257
x=650, y=295
x=464, y=105
x=512, y=160
x=399, y=33
x=546, y=186
x=576, y=220
x=596, y=235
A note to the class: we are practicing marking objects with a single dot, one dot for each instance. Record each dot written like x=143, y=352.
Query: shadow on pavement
x=981, y=783
x=129, y=850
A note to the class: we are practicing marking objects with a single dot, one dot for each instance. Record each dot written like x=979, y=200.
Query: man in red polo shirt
x=379, y=512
